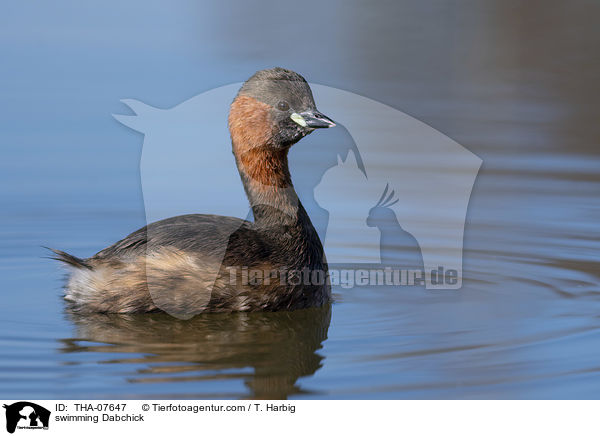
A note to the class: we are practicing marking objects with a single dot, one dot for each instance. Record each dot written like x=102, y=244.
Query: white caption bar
x=301, y=417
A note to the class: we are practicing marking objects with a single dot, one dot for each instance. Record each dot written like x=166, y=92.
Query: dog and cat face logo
x=26, y=415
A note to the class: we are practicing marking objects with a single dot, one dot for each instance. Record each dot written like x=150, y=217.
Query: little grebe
x=183, y=265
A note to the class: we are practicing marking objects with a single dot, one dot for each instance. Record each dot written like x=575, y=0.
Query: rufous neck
x=268, y=185
x=262, y=163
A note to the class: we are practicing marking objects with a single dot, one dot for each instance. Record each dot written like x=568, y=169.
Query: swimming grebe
x=195, y=263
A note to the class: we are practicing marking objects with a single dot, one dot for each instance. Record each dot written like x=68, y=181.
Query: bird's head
x=274, y=108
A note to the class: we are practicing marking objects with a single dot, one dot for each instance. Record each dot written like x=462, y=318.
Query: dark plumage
x=194, y=263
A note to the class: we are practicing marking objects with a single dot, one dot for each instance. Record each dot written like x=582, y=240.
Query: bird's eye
x=283, y=106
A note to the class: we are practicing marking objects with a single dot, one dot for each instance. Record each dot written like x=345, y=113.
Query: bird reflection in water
x=280, y=347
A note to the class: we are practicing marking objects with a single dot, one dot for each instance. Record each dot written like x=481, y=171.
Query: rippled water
x=526, y=323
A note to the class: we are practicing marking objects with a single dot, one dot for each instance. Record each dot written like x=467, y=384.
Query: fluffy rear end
x=69, y=259
x=96, y=286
